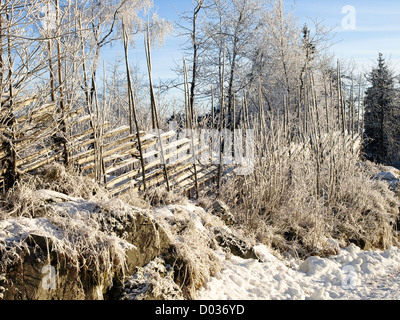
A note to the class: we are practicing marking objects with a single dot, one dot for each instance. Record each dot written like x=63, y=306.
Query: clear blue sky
x=376, y=29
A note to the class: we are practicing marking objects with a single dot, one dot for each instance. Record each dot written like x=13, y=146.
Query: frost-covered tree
x=381, y=142
x=104, y=20
x=230, y=35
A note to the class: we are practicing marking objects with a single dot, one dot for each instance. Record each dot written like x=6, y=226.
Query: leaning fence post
x=13, y=174
x=132, y=106
x=189, y=125
x=154, y=109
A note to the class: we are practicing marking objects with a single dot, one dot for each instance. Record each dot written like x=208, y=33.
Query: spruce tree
x=381, y=134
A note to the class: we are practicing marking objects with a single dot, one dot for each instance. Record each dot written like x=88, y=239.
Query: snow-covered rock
x=81, y=248
x=234, y=244
x=154, y=281
x=390, y=178
x=221, y=210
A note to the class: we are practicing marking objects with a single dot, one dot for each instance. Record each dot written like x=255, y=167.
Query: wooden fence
x=31, y=136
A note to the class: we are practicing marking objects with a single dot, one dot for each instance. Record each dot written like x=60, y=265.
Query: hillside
x=164, y=247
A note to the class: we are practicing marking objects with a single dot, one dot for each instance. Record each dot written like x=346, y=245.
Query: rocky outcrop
x=138, y=228
x=235, y=244
x=149, y=241
x=221, y=210
x=155, y=281
x=225, y=238
x=44, y=259
x=32, y=277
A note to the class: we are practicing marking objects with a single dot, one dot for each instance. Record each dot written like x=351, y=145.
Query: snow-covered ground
x=352, y=275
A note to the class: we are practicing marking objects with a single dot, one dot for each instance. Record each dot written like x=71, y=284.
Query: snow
x=352, y=274
x=62, y=203
x=187, y=211
x=54, y=196
x=17, y=229
x=74, y=218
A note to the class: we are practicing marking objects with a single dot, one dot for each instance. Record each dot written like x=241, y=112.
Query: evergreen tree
x=381, y=135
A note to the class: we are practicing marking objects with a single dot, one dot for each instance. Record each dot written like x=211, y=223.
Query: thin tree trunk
x=195, y=57
x=189, y=126
x=221, y=125
x=60, y=88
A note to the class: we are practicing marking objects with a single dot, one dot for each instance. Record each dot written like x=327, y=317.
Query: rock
x=129, y=223
x=155, y=281
x=40, y=270
x=234, y=244
x=221, y=210
x=390, y=178
x=136, y=227
x=332, y=247
x=31, y=278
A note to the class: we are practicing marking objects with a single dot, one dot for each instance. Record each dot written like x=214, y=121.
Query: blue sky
x=376, y=29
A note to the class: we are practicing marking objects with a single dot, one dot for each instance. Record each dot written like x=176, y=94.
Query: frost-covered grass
x=295, y=201
x=272, y=211
x=23, y=200
x=190, y=229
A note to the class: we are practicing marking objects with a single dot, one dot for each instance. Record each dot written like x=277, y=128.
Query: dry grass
x=56, y=177
x=159, y=196
x=292, y=204
x=133, y=198
x=22, y=199
x=193, y=258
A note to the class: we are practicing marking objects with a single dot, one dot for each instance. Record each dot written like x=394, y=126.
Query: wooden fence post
x=154, y=109
x=132, y=106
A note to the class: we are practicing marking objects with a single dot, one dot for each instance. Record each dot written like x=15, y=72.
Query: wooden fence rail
x=30, y=137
